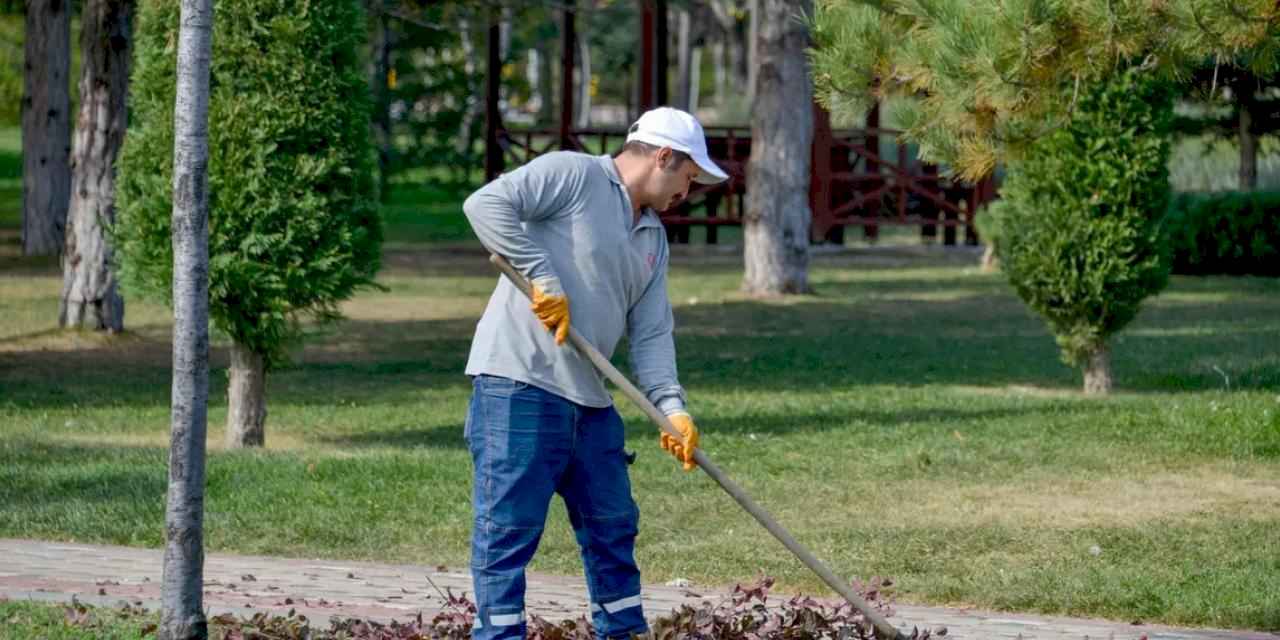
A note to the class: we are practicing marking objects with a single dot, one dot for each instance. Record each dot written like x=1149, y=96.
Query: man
x=584, y=230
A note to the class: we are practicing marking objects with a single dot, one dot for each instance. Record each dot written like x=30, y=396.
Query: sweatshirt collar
x=648, y=217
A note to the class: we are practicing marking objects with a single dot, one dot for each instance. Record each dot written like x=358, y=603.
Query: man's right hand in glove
x=551, y=306
x=682, y=448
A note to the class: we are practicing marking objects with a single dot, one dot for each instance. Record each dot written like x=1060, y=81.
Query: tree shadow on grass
x=377, y=362
x=446, y=436
x=862, y=333
x=924, y=419
x=38, y=473
x=980, y=341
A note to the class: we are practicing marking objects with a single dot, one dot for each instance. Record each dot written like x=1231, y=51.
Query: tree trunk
x=753, y=46
x=504, y=34
x=474, y=109
x=738, y=50
x=546, y=109
x=533, y=76
x=1246, y=108
x=583, y=102
x=89, y=294
x=503, y=53
x=246, y=399
x=695, y=78
x=776, y=224
x=990, y=263
x=380, y=88
x=684, y=50
x=46, y=126
x=1097, y=372
x=728, y=41
x=722, y=75
x=182, y=611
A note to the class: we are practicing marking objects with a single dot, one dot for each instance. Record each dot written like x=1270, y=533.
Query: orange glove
x=682, y=448
x=551, y=306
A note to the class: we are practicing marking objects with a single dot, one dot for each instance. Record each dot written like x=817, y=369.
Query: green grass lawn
x=38, y=621
x=911, y=421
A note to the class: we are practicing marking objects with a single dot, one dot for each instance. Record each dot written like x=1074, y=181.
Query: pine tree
x=973, y=82
x=1073, y=96
x=293, y=216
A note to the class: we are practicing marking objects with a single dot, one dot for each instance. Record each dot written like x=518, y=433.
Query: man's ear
x=663, y=156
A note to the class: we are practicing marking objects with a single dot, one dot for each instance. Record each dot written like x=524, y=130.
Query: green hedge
x=1226, y=233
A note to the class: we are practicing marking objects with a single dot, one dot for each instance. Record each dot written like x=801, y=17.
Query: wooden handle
x=883, y=628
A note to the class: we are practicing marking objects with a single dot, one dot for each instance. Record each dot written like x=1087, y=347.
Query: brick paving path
x=319, y=589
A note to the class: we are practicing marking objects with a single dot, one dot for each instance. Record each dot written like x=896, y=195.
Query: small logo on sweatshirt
x=653, y=260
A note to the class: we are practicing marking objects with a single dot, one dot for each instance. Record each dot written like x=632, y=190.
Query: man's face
x=670, y=186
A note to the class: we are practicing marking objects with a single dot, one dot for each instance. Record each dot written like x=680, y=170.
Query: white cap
x=667, y=127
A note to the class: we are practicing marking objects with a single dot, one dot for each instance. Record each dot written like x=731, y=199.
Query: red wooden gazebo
x=852, y=182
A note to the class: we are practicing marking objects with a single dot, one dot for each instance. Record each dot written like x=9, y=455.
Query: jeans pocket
x=500, y=387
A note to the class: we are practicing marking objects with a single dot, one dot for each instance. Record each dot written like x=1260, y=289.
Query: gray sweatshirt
x=567, y=216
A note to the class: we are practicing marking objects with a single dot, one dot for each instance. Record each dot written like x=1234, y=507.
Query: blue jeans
x=526, y=445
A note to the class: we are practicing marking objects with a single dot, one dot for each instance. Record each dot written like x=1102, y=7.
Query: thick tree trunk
x=46, y=126
x=776, y=224
x=89, y=294
x=246, y=399
x=182, y=611
x=1097, y=372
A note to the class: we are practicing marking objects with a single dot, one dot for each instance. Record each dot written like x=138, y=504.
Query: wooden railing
x=852, y=183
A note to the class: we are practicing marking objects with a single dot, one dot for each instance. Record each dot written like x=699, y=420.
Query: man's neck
x=628, y=172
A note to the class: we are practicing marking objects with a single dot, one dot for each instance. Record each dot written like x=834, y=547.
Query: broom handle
x=883, y=628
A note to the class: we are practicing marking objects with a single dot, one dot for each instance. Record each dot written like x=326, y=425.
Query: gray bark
x=182, y=613
x=46, y=126
x=533, y=75
x=722, y=74
x=777, y=218
x=246, y=399
x=684, y=58
x=89, y=294
x=1097, y=372
x=753, y=44
x=695, y=78
x=734, y=42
